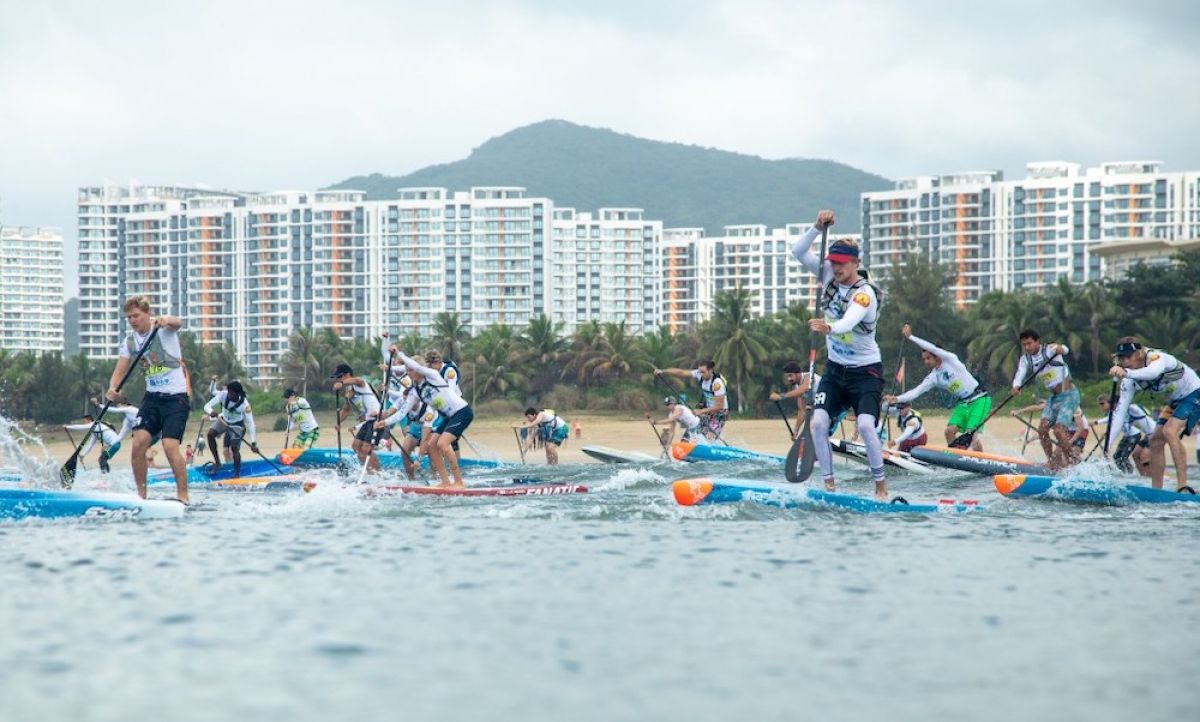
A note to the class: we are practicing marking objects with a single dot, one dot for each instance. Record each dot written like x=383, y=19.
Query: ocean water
x=612, y=605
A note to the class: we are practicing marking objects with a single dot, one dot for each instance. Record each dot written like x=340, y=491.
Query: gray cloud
x=273, y=95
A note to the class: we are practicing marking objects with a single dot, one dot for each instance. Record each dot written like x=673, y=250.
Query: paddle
x=287, y=435
x=1112, y=405
x=1025, y=436
x=1031, y=427
x=72, y=440
x=1098, y=443
x=241, y=437
x=801, y=456
x=67, y=473
x=337, y=417
x=964, y=439
x=197, y=447
x=520, y=446
x=662, y=444
x=783, y=415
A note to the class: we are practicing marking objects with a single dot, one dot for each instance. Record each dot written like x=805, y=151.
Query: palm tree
x=301, y=362
x=82, y=379
x=493, y=352
x=449, y=333
x=661, y=349
x=738, y=345
x=1097, y=311
x=995, y=323
x=543, y=350
x=585, y=344
x=617, y=355
x=223, y=361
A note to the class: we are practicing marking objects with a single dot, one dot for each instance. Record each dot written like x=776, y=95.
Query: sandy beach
x=494, y=438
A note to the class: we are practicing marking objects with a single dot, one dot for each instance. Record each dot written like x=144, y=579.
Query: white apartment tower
x=31, y=289
x=1026, y=234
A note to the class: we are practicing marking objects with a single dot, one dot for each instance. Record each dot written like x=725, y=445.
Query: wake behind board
x=55, y=504
x=975, y=462
x=609, y=455
x=390, y=460
x=518, y=489
x=691, y=492
x=1080, y=491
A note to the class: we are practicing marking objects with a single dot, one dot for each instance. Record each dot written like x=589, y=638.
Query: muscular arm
x=854, y=315
x=802, y=251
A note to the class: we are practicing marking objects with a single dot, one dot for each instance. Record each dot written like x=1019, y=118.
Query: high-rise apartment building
x=995, y=234
x=31, y=289
x=249, y=268
x=697, y=267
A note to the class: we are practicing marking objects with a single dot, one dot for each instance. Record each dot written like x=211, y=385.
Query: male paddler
x=714, y=404
x=946, y=371
x=1144, y=369
x=1049, y=362
x=853, y=375
x=164, y=409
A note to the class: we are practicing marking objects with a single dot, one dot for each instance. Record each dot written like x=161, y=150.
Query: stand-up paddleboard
x=691, y=451
x=975, y=462
x=322, y=457
x=505, y=490
x=609, y=455
x=690, y=492
x=1024, y=486
x=286, y=482
x=898, y=459
x=203, y=474
x=54, y=504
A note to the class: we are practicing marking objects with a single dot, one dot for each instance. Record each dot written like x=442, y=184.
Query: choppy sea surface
x=612, y=605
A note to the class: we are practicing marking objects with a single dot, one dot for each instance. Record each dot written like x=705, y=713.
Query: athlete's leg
x=1043, y=431
x=178, y=466
x=445, y=446
x=870, y=440
x=1066, y=453
x=213, y=432
x=551, y=453
x=1172, y=431
x=141, y=442
x=821, y=446
x=1158, y=457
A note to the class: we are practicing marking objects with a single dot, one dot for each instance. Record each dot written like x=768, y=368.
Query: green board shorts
x=306, y=439
x=969, y=414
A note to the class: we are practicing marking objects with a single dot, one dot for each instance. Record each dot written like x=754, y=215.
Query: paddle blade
x=66, y=474
x=288, y=456
x=801, y=457
x=963, y=441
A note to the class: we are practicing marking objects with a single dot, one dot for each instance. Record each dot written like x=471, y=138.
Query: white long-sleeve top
x=435, y=390
x=239, y=413
x=300, y=414
x=1054, y=372
x=97, y=431
x=1162, y=374
x=847, y=343
x=1136, y=421
x=951, y=375
x=129, y=417
x=912, y=425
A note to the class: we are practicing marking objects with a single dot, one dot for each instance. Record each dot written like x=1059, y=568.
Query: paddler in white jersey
x=362, y=399
x=681, y=414
x=1050, y=364
x=407, y=408
x=1143, y=369
x=164, y=409
x=300, y=416
x=110, y=442
x=714, y=403
x=853, y=375
x=436, y=391
x=551, y=429
x=1133, y=451
x=946, y=371
x=233, y=418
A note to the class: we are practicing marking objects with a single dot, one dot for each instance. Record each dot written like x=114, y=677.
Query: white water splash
x=18, y=450
x=626, y=478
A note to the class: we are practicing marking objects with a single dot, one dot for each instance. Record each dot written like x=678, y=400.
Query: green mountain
x=684, y=185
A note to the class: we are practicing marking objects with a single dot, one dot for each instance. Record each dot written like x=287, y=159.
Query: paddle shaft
x=254, y=447
x=337, y=418
x=1112, y=405
x=197, y=448
x=67, y=472
x=782, y=413
x=520, y=446
x=662, y=444
x=72, y=440
x=802, y=456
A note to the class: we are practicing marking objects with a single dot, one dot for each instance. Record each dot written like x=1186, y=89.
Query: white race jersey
x=951, y=375
x=230, y=413
x=105, y=433
x=435, y=390
x=688, y=420
x=1054, y=370
x=162, y=362
x=301, y=415
x=851, y=311
x=1163, y=374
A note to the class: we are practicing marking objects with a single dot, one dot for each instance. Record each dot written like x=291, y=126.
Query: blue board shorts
x=1060, y=408
x=1188, y=409
x=111, y=451
x=414, y=429
x=557, y=436
x=457, y=423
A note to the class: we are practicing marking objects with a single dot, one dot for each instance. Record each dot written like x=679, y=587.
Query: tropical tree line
x=606, y=366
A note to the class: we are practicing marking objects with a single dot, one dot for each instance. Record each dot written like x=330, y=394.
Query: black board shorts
x=366, y=431
x=163, y=415
x=856, y=387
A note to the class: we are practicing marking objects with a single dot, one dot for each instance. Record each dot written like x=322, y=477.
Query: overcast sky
x=297, y=94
